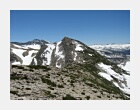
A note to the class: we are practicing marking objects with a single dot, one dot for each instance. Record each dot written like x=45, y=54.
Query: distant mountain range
x=103, y=64
x=116, y=53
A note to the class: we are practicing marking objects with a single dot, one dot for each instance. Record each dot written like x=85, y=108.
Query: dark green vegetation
x=87, y=97
x=16, y=76
x=60, y=86
x=68, y=97
x=49, y=82
x=45, y=68
x=14, y=92
x=16, y=66
x=48, y=94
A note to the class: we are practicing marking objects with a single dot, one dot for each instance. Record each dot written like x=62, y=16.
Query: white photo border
x=7, y=5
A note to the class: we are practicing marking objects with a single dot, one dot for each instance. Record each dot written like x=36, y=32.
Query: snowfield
x=17, y=46
x=106, y=75
x=125, y=66
x=75, y=55
x=33, y=46
x=78, y=46
x=27, y=59
x=16, y=63
x=122, y=78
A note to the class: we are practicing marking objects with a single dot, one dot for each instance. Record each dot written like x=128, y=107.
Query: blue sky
x=88, y=26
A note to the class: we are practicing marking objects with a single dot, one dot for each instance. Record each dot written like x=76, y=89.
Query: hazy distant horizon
x=88, y=26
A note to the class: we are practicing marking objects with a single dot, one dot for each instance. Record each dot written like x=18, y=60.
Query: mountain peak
x=39, y=41
x=66, y=38
x=36, y=40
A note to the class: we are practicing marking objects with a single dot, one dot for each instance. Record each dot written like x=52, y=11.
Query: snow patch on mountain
x=17, y=46
x=59, y=54
x=16, y=63
x=109, y=71
x=78, y=46
x=35, y=61
x=33, y=46
x=47, y=54
x=125, y=66
x=57, y=51
x=26, y=59
x=109, y=74
x=75, y=56
x=90, y=54
x=106, y=75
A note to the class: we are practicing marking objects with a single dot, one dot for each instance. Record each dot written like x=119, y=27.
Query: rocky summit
x=65, y=70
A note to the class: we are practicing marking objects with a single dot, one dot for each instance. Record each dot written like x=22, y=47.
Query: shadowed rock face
x=38, y=56
x=14, y=57
x=69, y=50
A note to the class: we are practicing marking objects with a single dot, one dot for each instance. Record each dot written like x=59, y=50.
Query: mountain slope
x=26, y=51
x=76, y=60
x=69, y=83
